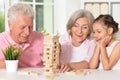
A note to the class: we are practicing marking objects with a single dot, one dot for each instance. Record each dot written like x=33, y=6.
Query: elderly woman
x=76, y=45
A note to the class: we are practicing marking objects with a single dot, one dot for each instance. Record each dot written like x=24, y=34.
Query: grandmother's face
x=80, y=30
x=21, y=28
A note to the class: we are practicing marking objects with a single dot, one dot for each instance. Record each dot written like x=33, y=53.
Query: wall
x=62, y=11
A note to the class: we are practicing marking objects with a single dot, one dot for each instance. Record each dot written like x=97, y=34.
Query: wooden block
x=78, y=72
x=33, y=73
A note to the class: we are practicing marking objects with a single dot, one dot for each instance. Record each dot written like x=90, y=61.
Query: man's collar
x=12, y=42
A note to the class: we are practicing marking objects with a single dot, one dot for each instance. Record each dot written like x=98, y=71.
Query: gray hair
x=79, y=14
x=20, y=9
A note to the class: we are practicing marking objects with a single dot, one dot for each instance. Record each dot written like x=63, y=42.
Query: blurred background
x=52, y=15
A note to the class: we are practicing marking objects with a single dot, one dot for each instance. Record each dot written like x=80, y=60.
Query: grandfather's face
x=21, y=28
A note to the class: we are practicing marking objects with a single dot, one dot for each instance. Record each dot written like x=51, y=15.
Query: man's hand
x=2, y=64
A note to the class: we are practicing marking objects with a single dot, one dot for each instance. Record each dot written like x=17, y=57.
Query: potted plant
x=12, y=54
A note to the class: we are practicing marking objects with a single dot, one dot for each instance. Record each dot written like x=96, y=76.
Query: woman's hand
x=64, y=67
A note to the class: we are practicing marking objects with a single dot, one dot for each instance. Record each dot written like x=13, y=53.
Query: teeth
x=79, y=35
x=98, y=39
x=25, y=36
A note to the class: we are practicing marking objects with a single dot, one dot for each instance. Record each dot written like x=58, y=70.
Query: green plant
x=12, y=52
x=2, y=22
x=44, y=32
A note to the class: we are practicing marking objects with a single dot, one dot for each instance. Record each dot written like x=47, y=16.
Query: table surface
x=93, y=75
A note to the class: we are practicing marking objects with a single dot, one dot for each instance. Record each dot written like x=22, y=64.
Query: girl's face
x=100, y=31
x=80, y=30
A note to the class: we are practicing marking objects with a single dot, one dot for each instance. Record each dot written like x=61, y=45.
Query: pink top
x=70, y=53
x=32, y=51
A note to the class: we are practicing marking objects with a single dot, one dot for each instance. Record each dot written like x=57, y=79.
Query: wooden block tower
x=51, y=54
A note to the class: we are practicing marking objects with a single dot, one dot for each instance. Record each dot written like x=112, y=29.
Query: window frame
x=8, y=3
x=110, y=2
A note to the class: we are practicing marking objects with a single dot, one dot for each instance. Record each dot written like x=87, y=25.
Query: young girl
x=107, y=52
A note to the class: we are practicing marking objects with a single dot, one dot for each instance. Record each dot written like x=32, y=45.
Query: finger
x=68, y=69
x=61, y=68
x=65, y=68
x=107, y=39
x=110, y=37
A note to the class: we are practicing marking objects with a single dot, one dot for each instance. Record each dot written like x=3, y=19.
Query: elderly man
x=20, y=21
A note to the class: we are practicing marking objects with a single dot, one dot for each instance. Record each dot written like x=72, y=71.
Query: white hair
x=20, y=9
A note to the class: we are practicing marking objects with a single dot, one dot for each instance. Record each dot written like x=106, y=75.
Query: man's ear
x=9, y=25
x=110, y=31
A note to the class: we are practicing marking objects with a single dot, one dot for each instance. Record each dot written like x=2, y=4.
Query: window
x=97, y=8
x=2, y=18
x=43, y=13
x=103, y=7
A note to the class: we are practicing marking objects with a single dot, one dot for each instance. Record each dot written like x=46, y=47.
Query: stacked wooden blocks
x=51, y=54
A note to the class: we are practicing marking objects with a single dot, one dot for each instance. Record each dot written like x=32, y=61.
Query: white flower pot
x=11, y=65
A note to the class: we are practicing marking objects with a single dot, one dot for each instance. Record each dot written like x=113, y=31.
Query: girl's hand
x=105, y=41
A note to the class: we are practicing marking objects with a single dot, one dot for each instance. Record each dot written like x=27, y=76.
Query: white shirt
x=109, y=50
x=69, y=53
